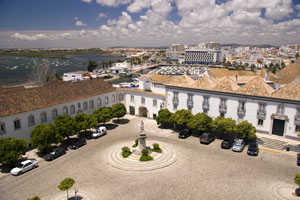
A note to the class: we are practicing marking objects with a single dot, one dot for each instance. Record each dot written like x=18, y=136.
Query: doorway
x=278, y=127
x=131, y=110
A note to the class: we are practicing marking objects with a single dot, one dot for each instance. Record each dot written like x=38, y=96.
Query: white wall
x=25, y=131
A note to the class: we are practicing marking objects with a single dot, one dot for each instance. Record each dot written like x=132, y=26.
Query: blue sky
x=104, y=23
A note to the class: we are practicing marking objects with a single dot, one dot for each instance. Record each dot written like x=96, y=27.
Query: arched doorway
x=143, y=111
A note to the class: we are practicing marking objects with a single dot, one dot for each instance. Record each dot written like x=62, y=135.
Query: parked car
x=100, y=131
x=207, y=138
x=78, y=142
x=55, y=154
x=24, y=167
x=238, y=145
x=227, y=144
x=185, y=133
x=298, y=159
x=253, y=149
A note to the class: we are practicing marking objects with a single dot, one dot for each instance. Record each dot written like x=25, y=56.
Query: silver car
x=238, y=145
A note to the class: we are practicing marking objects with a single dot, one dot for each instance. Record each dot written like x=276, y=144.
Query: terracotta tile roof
x=205, y=83
x=288, y=74
x=218, y=73
x=257, y=87
x=56, y=92
x=262, y=74
x=227, y=85
x=11, y=89
x=158, y=78
x=289, y=91
x=183, y=80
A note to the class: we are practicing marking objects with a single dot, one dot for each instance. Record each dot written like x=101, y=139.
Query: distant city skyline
x=107, y=23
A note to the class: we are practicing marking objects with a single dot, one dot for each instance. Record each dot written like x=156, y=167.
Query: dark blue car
x=298, y=159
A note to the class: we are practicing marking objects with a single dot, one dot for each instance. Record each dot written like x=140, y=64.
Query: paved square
x=201, y=172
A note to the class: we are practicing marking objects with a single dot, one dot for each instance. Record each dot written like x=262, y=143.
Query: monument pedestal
x=142, y=145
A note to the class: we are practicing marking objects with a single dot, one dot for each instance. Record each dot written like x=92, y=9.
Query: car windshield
x=253, y=146
x=238, y=144
x=20, y=166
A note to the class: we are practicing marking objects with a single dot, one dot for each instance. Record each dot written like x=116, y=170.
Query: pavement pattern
x=201, y=172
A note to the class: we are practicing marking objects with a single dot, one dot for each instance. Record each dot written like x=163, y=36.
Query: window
x=222, y=114
x=113, y=98
x=65, y=110
x=31, y=121
x=223, y=102
x=242, y=106
x=91, y=104
x=175, y=107
x=2, y=128
x=154, y=102
x=297, y=129
x=54, y=113
x=17, y=124
x=261, y=108
x=298, y=113
x=175, y=95
x=190, y=97
x=143, y=100
x=99, y=102
x=260, y=122
x=85, y=105
x=206, y=100
x=72, y=109
x=280, y=109
x=106, y=100
x=43, y=117
x=79, y=105
x=131, y=98
x=154, y=116
x=121, y=97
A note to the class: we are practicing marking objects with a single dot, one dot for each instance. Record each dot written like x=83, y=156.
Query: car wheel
x=20, y=172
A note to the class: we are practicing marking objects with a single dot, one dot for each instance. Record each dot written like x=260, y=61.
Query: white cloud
x=87, y=1
x=29, y=37
x=112, y=3
x=78, y=22
x=101, y=15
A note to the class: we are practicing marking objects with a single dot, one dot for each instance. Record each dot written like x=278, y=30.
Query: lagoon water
x=15, y=70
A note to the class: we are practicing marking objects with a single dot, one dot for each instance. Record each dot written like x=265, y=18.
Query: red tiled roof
x=56, y=92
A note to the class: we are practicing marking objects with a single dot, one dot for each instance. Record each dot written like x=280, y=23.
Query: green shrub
x=156, y=148
x=136, y=143
x=34, y=198
x=145, y=158
x=126, y=149
x=145, y=152
x=125, y=154
x=148, y=90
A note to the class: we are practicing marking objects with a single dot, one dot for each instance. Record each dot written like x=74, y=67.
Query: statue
x=142, y=140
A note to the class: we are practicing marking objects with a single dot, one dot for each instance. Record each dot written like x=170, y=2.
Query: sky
x=152, y=23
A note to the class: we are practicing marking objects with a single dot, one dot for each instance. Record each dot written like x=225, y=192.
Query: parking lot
x=201, y=172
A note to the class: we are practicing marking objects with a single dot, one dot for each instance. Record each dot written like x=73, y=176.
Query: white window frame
x=43, y=117
x=31, y=120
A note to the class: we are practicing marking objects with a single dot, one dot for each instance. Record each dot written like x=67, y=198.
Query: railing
x=190, y=103
x=241, y=112
x=222, y=108
x=175, y=101
x=261, y=114
x=205, y=106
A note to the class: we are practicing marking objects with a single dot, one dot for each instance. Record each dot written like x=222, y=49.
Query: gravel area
x=201, y=172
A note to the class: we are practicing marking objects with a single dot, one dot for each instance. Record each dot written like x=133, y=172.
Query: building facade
x=202, y=56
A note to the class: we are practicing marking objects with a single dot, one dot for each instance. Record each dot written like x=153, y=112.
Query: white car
x=100, y=131
x=238, y=145
x=24, y=167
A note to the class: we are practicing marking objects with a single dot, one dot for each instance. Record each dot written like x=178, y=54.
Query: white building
x=202, y=56
x=120, y=67
x=73, y=76
x=175, y=52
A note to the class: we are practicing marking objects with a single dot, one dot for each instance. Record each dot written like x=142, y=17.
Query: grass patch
x=157, y=150
x=136, y=143
x=145, y=158
x=125, y=154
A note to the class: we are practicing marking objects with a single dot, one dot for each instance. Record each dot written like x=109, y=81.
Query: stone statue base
x=142, y=145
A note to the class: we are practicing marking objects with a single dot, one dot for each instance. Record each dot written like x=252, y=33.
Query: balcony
x=205, y=106
x=223, y=108
x=190, y=104
x=261, y=114
x=241, y=112
x=175, y=101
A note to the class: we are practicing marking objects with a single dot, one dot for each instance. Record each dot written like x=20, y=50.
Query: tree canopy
x=118, y=110
x=245, y=130
x=44, y=135
x=200, y=122
x=223, y=125
x=66, y=125
x=66, y=184
x=164, y=117
x=103, y=114
x=92, y=65
x=182, y=117
x=85, y=121
x=11, y=149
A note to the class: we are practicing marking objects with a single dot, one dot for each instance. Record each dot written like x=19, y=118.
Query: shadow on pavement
x=75, y=198
x=121, y=121
x=110, y=126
